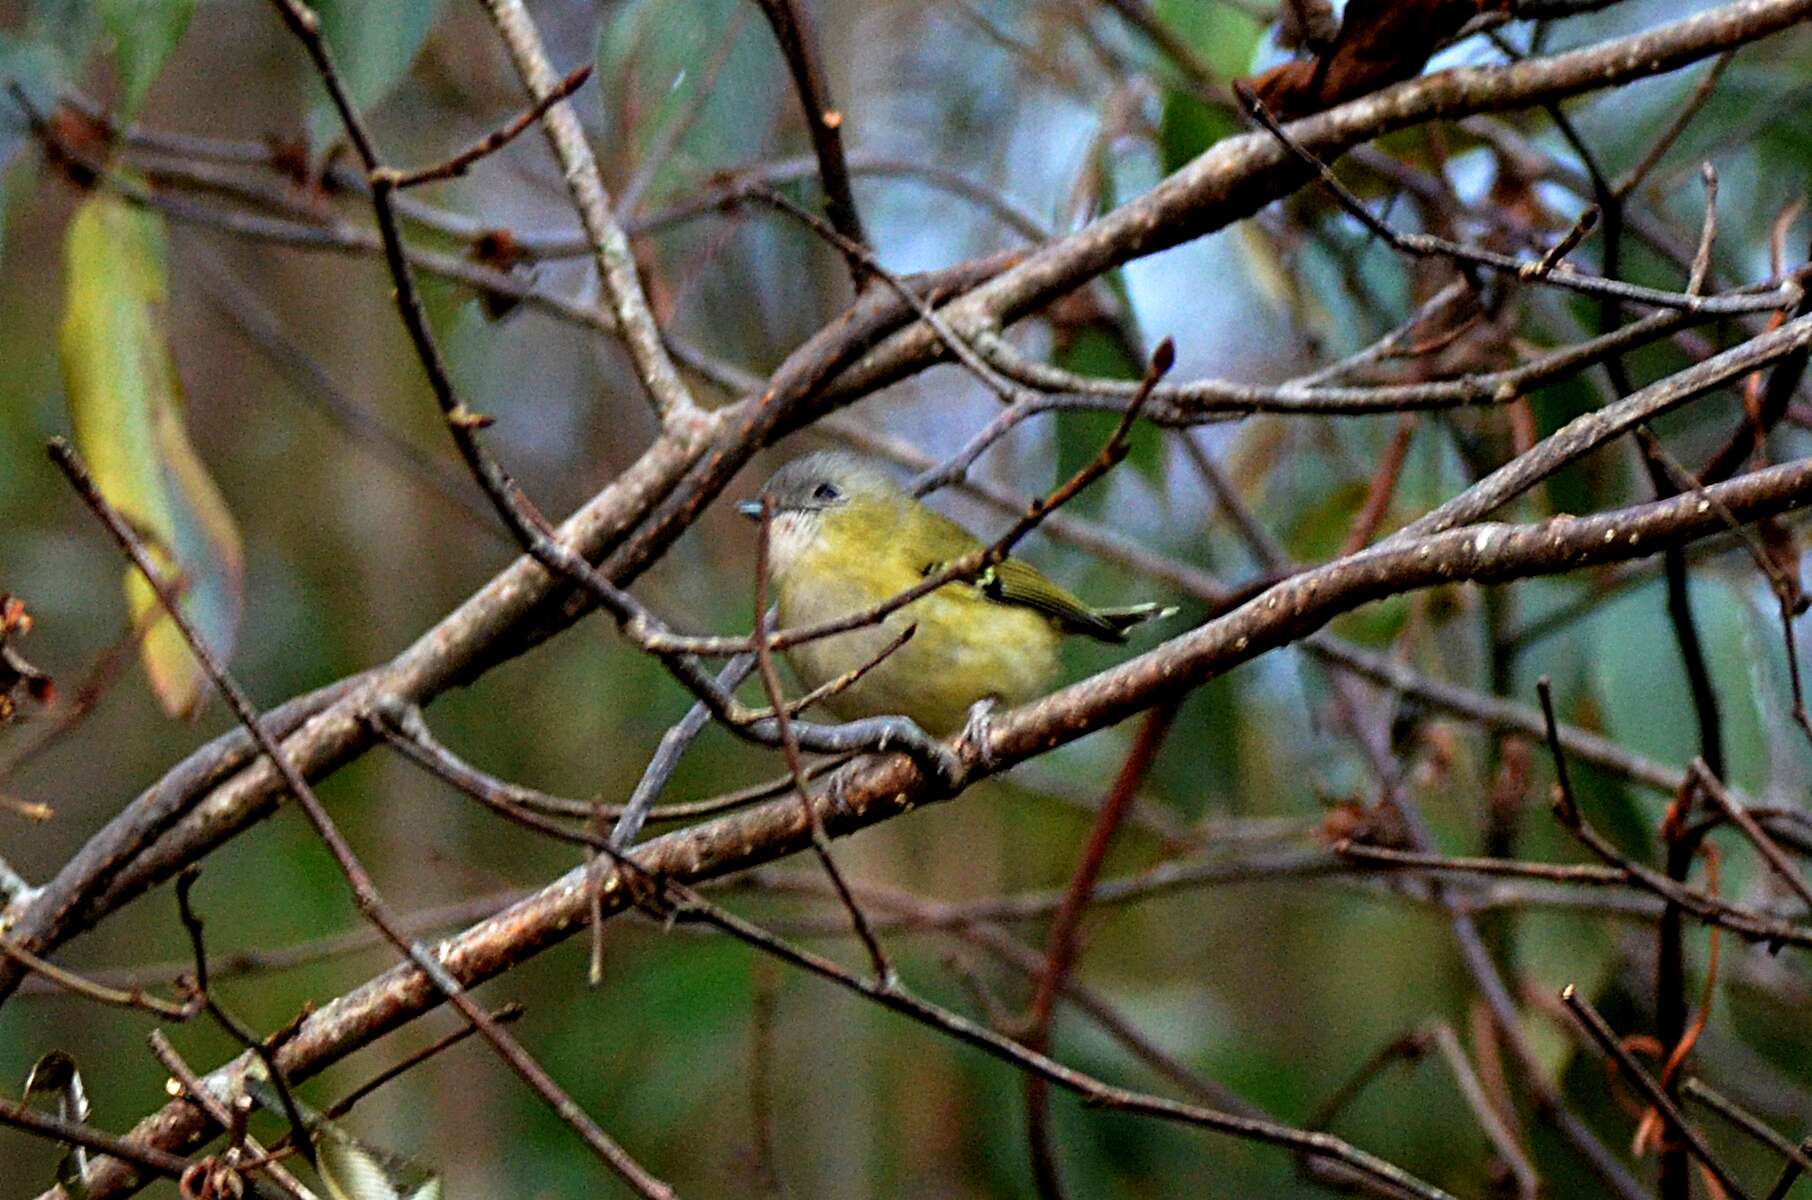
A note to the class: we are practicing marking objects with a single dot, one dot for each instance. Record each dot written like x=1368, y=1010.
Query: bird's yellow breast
x=966, y=647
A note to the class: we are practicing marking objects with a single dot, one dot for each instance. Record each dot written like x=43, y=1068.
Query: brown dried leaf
x=1380, y=42
x=16, y=674
x=1381, y=824
x=1510, y=790
x=1307, y=25
x=289, y=158
x=497, y=248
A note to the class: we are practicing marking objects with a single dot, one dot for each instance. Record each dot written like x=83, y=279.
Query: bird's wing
x=1015, y=582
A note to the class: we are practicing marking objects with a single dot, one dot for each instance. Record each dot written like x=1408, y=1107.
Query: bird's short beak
x=750, y=509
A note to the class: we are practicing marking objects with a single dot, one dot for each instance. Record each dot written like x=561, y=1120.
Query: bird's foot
x=836, y=790
x=977, y=730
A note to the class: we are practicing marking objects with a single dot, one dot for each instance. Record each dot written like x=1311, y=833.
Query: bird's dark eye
x=827, y=492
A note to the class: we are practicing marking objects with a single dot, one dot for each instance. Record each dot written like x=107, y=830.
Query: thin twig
x=503, y=1015
x=1497, y=1131
x=667, y=755
x=1412, y=860
x=233, y=1026
x=668, y=394
x=1790, y=1173
x=365, y=893
x=1771, y=853
x=1744, y=1120
x=498, y=138
x=1607, y=1040
x=1060, y=943
x=1658, y=149
x=248, y=1154
x=1421, y=245
x=69, y=981
x=53, y=1128
x=823, y=122
x=770, y=681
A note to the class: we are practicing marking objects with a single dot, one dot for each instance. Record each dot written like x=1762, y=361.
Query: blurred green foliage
x=1278, y=989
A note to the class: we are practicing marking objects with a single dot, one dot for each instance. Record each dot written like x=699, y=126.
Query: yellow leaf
x=125, y=400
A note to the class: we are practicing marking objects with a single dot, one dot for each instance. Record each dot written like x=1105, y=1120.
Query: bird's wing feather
x=1017, y=582
x=1014, y=582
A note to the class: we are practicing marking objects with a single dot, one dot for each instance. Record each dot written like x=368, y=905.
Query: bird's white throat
x=790, y=535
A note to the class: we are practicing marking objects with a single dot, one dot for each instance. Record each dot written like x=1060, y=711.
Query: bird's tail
x=1125, y=617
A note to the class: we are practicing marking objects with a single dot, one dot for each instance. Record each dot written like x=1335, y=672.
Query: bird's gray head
x=812, y=488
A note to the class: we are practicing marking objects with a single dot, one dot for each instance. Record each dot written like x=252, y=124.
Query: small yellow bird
x=846, y=537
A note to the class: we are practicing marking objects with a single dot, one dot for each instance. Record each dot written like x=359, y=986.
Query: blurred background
x=975, y=126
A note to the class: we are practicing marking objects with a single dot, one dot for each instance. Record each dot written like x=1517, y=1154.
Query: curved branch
x=874, y=791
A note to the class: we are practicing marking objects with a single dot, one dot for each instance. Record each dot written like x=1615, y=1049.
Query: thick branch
x=876, y=791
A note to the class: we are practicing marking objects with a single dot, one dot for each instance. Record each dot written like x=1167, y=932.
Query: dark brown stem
x=503, y=1015
x=1607, y=1040
x=497, y=139
x=44, y=1125
x=823, y=122
x=1061, y=943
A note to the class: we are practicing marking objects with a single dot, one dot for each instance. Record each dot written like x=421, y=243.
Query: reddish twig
x=498, y=138
x=1601, y=1033
x=1383, y=487
x=1060, y=942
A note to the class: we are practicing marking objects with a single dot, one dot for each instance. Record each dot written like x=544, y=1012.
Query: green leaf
x=1225, y=36
x=144, y=32
x=1186, y=127
x=1641, y=682
x=373, y=45
x=125, y=401
x=650, y=69
x=1100, y=352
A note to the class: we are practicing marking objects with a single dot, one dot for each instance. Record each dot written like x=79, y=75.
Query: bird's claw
x=834, y=790
x=977, y=730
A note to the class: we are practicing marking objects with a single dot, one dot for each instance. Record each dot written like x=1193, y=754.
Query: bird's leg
x=976, y=731
x=837, y=786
